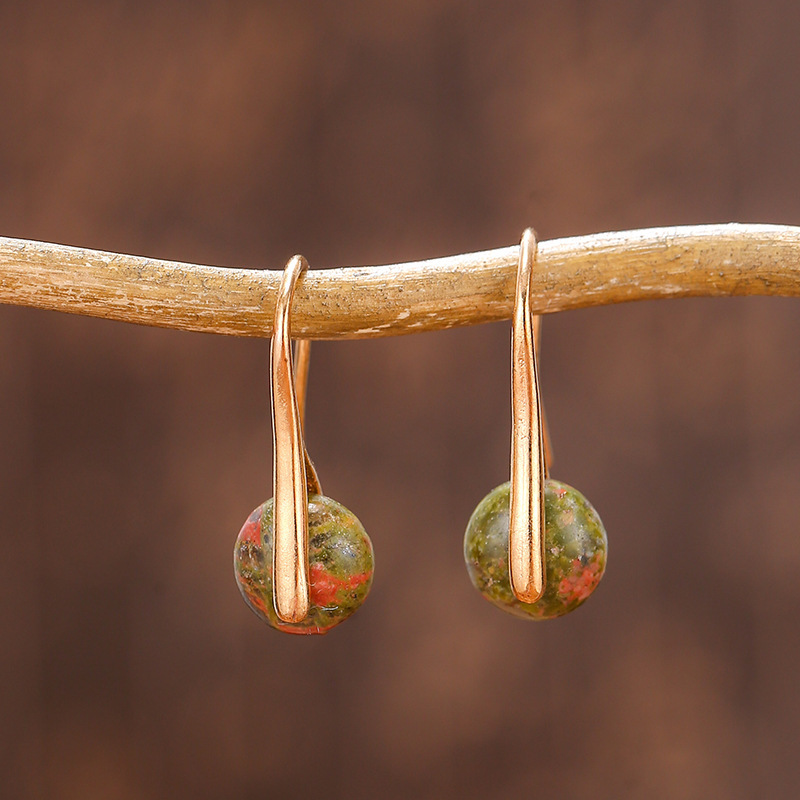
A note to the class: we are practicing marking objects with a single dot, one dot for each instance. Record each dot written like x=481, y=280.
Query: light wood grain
x=364, y=302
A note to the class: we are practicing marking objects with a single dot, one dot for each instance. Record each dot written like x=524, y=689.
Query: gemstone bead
x=341, y=564
x=575, y=549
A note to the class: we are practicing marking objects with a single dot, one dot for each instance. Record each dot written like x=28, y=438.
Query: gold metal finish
x=526, y=556
x=289, y=489
x=302, y=363
x=302, y=360
x=548, y=442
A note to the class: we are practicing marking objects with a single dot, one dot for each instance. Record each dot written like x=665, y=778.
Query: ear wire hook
x=302, y=359
x=526, y=556
x=548, y=442
x=294, y=476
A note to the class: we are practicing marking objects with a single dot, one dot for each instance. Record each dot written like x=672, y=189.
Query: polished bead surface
x=575, y=550
x=341, y=564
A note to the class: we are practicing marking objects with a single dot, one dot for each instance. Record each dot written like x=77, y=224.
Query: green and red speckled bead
x=340, y=559
x=575, y=548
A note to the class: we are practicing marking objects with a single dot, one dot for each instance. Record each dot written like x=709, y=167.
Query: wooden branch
x=362, y=302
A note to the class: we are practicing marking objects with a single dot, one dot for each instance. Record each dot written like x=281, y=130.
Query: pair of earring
x=535, y=547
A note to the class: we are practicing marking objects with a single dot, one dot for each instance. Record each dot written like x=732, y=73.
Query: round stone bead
x=340, y=558
x=575, y=549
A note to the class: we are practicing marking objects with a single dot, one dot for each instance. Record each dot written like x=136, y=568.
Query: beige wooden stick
x=364, y=302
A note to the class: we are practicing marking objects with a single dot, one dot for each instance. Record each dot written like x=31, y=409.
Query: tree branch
x=362, y=302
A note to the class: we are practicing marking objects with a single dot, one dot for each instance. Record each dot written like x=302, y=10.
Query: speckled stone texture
x=575, y=544
x=341, y=564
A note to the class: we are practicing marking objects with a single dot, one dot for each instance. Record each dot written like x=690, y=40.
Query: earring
x=302, y=561
x=535, y=547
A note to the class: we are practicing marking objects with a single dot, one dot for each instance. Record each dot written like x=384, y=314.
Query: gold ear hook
x=526, y=556
x=291, y=466
x=548, y=442
x=302, y=360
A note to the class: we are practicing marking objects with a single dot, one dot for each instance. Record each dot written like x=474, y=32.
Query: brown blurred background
x=362, y=133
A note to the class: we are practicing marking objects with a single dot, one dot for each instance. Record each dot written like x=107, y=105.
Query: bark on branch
x=363, y=302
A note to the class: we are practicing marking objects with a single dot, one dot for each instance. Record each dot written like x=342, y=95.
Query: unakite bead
x=575, y=549
x=341, y=564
